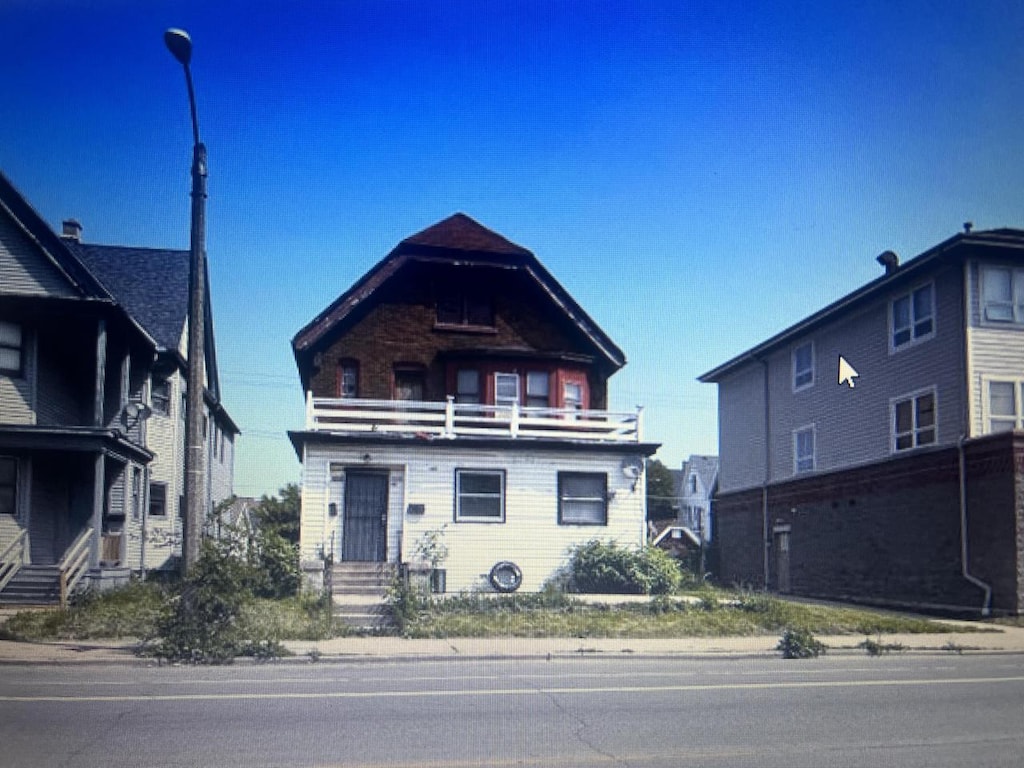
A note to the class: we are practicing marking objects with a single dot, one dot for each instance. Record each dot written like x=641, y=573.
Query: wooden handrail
x=74, y=565
x=12, y=558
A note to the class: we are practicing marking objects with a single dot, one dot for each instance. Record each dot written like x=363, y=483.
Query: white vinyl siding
x=914, y=420
x=421, y=476
x=803, y=366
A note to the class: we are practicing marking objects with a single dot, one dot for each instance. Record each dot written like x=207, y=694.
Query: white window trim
x=461, y=518
x=1016, y=285
x=809, y=384
x=506, y=402
x=814, y=449
x=894, y=401
x=986, y=401
x=914, y=340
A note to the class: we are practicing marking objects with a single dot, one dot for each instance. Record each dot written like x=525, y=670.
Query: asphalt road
x=841, y=711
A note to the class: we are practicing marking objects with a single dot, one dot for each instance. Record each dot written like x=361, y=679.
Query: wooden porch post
x=99, y=480
x=101, y=373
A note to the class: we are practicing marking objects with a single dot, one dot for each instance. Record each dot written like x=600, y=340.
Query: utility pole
x=180, y=45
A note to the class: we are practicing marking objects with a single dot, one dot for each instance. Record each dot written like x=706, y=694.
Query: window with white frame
x=803, y=366
x=506, y=389
x=480, y=495
x=11, y=348
x=913, y=420
x=537, y=389
x=1002, y=294
x=803, y=449
x=1004, y=405
x=913, y=316
x=582, y=498
x=8, y=485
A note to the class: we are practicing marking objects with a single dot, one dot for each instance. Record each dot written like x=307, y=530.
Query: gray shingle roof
x=151, y=283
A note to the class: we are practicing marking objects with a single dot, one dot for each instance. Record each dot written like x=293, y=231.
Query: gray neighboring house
x=696, y=484
x=91, y=363
x=906, y=485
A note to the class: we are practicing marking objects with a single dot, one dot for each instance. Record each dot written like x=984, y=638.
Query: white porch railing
x=12, y=558
x=450, y=420
x=74, y=564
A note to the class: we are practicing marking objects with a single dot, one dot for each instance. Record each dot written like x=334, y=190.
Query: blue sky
x=698, y=175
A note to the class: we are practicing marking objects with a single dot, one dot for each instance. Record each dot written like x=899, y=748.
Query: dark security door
x=364, y=534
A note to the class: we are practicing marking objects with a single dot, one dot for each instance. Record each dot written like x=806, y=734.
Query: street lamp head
x=179, y=44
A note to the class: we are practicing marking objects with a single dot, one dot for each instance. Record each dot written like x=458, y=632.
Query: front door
x=364, y=531
x=782, y=560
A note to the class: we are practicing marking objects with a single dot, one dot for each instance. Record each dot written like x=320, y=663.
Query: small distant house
x=874, y=450
x=91, y=432
x=457, y=388
x=696, y=484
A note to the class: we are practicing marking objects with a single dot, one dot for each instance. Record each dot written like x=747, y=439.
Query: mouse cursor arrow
x=846, y=372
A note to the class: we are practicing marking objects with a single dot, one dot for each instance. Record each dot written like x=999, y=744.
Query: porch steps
x=358, y=591
x=33, y=585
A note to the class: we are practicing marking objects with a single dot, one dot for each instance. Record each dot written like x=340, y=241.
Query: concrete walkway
x=1004, y=640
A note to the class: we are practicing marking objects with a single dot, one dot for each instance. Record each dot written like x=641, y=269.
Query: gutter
x=986, y=606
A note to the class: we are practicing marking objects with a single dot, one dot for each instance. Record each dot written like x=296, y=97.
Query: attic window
x=465, y=310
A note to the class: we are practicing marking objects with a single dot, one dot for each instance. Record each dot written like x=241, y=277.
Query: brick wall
x=889, y=532
x=398, y=328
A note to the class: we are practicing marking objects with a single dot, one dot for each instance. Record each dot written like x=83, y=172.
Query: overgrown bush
x=204, y=624
x=797, y=643
x=608, y=568
x=274, y=565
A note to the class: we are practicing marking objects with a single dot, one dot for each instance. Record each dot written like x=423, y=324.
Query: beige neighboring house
x=92, y=362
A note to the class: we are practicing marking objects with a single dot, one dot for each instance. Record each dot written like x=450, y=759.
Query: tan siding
x=165, y=438
x=24, y=270
x=996, y=350
x=17, y=393
x=530, y=535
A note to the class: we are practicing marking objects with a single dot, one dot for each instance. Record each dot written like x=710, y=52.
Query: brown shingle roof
x=460, y=232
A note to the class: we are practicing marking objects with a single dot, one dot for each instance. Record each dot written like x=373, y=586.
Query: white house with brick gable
x=458, y=388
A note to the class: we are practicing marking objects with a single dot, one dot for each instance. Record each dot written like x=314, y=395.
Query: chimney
x=890, y=261
x=71, y=230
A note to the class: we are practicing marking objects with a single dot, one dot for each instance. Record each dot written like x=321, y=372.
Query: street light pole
x=180, y=45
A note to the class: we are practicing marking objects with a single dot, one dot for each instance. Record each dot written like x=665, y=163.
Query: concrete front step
x=33, y=585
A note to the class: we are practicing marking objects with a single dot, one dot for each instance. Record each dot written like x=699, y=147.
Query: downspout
x=965, y=394
x=986, y=607
x=767, y=473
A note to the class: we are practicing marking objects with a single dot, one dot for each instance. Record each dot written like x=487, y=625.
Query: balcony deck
x=451, y=420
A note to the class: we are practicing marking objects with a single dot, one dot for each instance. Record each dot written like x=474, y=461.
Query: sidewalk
x=348, y=649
